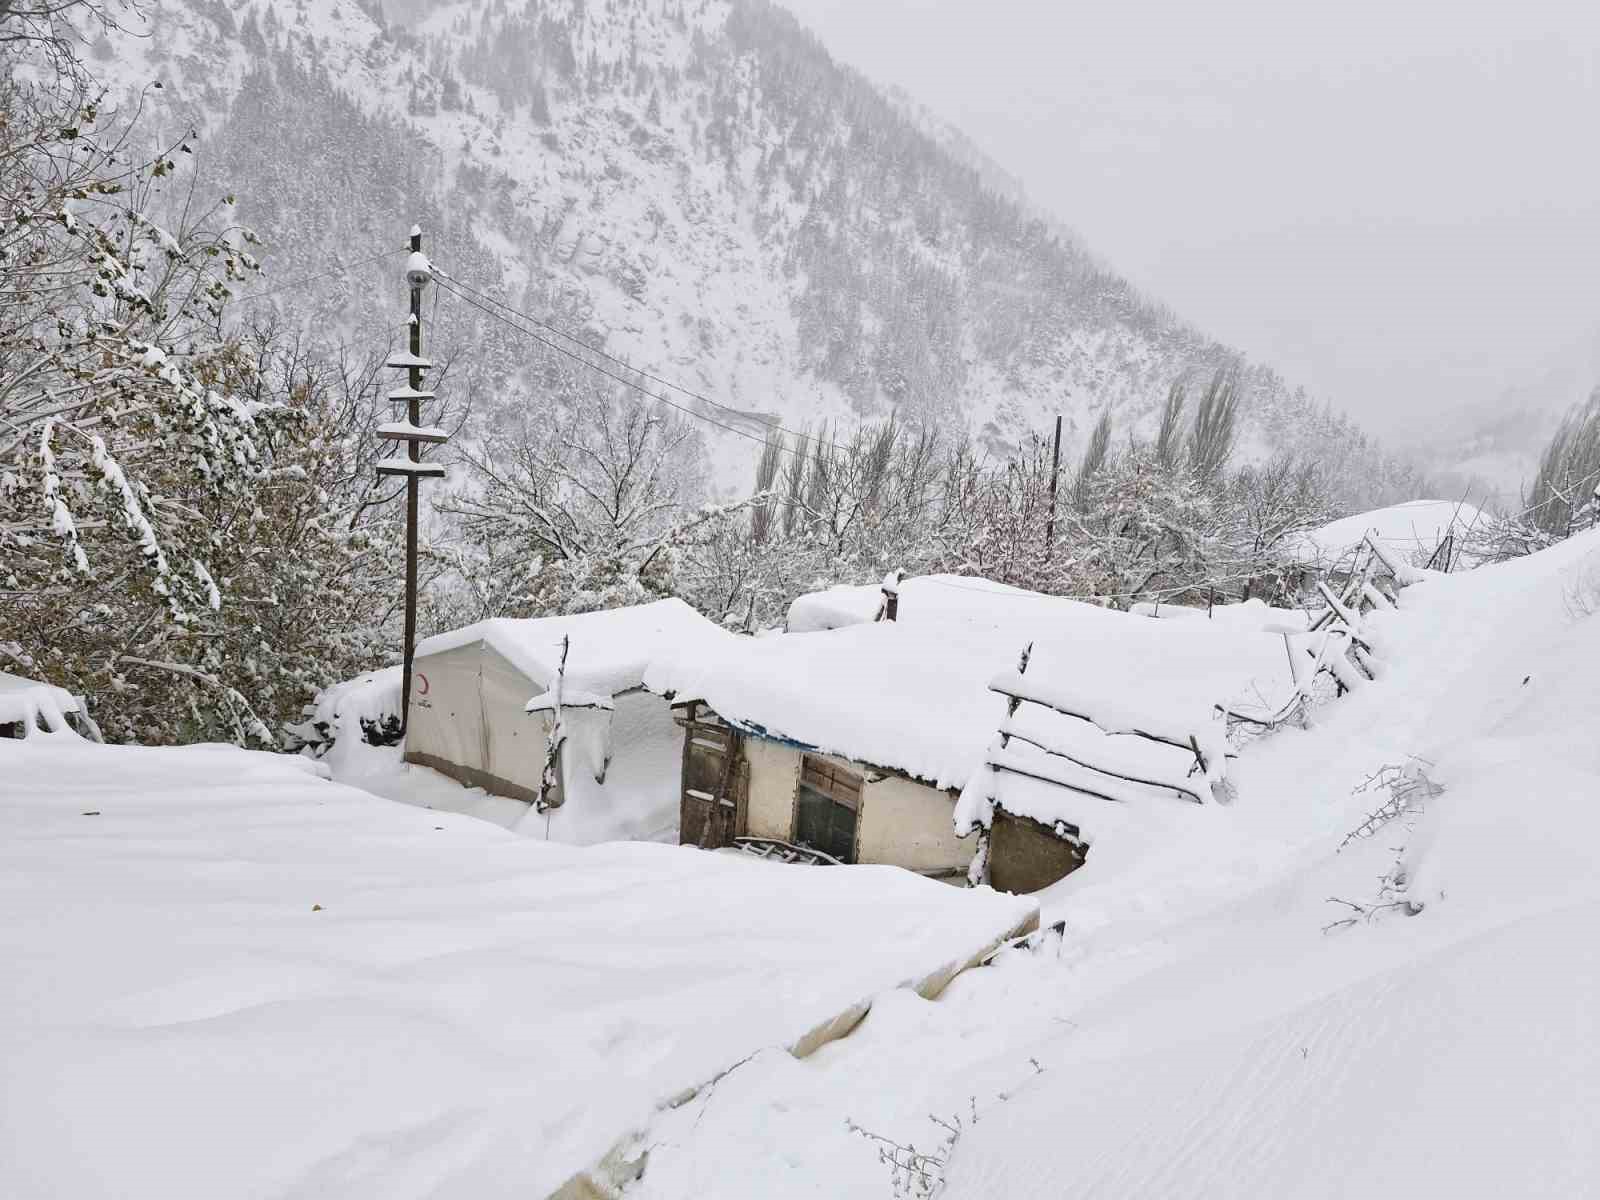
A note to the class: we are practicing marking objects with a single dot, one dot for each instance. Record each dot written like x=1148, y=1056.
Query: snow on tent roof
x=958, y=600
x=914, y=696
x=608, y=651
x=1415, y=527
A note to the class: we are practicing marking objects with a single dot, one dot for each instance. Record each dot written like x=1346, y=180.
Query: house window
x=827, y=807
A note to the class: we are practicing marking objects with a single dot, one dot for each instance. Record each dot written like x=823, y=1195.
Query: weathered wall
x=1025, y=856
x=901, y=822
x=908, y=824
x=774, y=774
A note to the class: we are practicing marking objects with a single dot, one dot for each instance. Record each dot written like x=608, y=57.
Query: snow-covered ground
x=225, y=976
x=1201, y=1031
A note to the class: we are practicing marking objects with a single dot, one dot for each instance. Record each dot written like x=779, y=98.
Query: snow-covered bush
x=365, y=708
x=186, y=514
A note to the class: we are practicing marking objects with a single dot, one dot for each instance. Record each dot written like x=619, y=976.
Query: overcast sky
x=1397, y=204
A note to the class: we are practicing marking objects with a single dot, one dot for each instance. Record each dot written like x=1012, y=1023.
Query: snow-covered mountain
x=693, y=185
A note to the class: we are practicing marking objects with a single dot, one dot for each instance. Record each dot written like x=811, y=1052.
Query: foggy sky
x=1396, y=204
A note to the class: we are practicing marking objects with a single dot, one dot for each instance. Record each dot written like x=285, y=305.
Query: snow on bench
x=224, y=974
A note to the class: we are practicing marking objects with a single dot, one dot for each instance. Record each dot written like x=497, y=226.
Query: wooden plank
x=1071, y=787
x=1020, y=697
x=405, y=431
x=684, y=817
x=404, y=466
x=405, y=359
x=1008, y=730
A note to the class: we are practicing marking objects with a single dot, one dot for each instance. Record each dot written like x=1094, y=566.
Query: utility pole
x=411, y=431
x=1055, y=474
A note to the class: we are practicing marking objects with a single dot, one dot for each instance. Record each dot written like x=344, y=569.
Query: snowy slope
x=224, y=976
x=1197, y=1032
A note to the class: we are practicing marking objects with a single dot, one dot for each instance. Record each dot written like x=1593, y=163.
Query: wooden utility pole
x=419, y=272
x=1055, y=475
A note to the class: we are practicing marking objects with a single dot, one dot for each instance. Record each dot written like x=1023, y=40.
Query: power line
x=623, y=363
x=305, y=279
x=596, y=367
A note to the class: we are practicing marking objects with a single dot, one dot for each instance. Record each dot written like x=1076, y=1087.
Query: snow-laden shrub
x=366, y=708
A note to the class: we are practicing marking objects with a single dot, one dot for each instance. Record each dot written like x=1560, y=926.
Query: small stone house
x=854, y=732
x=854, y=742
x=856, y=735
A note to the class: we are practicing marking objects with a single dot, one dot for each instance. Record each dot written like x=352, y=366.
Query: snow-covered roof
x=608, y=651
x=887, y=694
x=913, y=695
x=1079, y=740
x=1413, y=528
x=945, y=600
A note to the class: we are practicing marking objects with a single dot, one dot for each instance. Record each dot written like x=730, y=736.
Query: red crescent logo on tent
x=423, y=679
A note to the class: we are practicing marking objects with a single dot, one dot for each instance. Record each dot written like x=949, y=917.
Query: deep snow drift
x=1206, y=1027
x=225, y=976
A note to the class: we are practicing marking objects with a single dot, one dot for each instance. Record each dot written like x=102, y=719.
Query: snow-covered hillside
x=692, y=185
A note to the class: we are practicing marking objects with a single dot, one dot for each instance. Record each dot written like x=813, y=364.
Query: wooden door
x=715, y=786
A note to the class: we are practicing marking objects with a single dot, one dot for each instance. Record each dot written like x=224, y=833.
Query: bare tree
x=580, y=498
x=1169, y=440
x=54, y=29
x=1211, y=438
x=767, y=471
x=1568, y=477
x=1094, y=459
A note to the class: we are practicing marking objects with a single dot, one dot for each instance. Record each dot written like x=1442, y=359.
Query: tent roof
x=609, y=649
x=913, y=694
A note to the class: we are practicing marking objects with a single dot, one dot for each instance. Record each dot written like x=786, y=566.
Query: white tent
x=619, y=769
